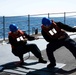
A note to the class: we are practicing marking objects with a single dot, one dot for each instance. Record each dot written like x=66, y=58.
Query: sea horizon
x=34, y=23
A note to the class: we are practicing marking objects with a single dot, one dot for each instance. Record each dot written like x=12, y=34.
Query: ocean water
x=29, y=25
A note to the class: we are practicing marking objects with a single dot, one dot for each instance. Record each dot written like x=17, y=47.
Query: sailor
x=18, y=40
x=55, y=34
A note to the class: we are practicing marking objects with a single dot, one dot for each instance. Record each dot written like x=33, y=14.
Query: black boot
x=51, y=65
x=41, y=60
x=19, y=63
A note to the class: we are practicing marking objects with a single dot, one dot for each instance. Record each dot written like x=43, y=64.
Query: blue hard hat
x=46, y=21
x=13, y=27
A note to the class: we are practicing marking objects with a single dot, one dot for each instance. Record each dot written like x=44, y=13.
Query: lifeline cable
x=41, y=38
x=29, y=53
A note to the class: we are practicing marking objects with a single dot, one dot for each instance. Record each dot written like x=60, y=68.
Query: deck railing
x=31, y=23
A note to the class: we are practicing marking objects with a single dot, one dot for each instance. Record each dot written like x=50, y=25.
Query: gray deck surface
x=66, y=63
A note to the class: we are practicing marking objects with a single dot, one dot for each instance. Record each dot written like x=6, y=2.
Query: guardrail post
x=4, y=28
x=29, y=24
x=48, y=15
x=64, y=17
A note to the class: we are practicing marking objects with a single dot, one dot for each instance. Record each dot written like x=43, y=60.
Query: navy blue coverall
x=54, y=44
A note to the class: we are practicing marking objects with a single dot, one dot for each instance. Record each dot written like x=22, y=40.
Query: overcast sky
x=25, y=7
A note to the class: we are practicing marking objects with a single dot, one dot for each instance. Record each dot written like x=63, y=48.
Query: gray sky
x=25, y=7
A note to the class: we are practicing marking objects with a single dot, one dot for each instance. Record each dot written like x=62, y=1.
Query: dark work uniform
x=57, y=43
x=21, y=47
